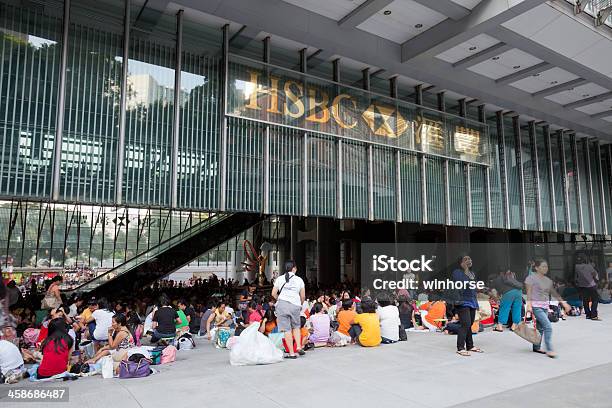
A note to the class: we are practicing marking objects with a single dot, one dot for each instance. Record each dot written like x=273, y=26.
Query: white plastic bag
x=108, y=370
x=254, y=348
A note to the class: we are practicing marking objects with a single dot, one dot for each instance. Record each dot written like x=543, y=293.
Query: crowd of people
x=54, y=333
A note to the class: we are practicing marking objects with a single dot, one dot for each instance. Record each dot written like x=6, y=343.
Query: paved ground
x=422, y=372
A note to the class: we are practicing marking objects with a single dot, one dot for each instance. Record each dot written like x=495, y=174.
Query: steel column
x=266, y=163
x=303, y=60
x=602, y=196
x=339, y=186
x=501, y=144
x=482, y=117
x=564, y=182
x=577, y=181
x=587, y=150
x=418, y=94
x=365, y=73
x=536, y=173
x=61, y=102
x=516, y=124
x=222, y=110
x=447, y=203
x=305, y=176
x=398, y=188
x=393, y=87
x=551, y=177
x=424, y=188
x=177, y=111
x=370, y=182
x=336, y=70
x=468, y=185
x=123, y=105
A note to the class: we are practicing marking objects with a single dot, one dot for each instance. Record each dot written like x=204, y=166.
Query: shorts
x=287, y=316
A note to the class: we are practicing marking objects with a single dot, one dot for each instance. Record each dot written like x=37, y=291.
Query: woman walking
x=539, y=290
x=466, y=307
x=511, y=300
x=290, y=294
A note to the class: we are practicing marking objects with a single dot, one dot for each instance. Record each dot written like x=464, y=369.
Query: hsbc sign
x=287, y=98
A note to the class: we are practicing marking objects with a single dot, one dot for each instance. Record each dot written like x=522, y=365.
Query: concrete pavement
x=422, y=372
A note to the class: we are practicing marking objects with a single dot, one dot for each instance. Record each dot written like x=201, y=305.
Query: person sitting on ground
x=164, y=322
x=218, y=319
x=320, y=324
x=209, y=309
x=183, y=326
x=405, y=312
x=453, y=326
x=56, y=349
x=345, y=317
x=366, y=325
x=254, y=314
x=605, y=295
x=389, y=319
x=84, y=322
x=103, y=318
x=119, y=341
x=268, y=323
x=433, y=314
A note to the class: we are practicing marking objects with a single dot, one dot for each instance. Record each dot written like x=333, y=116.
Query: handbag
x=132, y=369
x=49, y=302
x=531, y=334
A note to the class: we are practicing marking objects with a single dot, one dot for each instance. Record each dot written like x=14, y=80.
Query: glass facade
x=289, y=144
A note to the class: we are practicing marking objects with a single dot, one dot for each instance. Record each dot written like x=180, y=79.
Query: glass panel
x=571, y=183
x=322, y=169
x=497, y=196
x=412, y=197
x=557, y=174
x=30, y=53
x=512, y=168
x=478, y=194
x=546, y=201
x=584, y=197
x=150, y=112
x=596, y=180
x=458, y=193
x=244, y=165
x=607, y=179
x=198, y=178
x=355, y=180
x=93, y=102
x=436, y=211
x=385, y=180
x=529, y=181
x=286, y=170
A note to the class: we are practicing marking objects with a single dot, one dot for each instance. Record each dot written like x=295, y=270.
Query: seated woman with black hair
x=389, y=319
x=320, y=325
x=268, y=323
x=56, y=350
x=366, y=325
x=119, y=341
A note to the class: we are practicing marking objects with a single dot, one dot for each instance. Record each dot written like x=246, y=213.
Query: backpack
x=223, y=335
x=156, y=355
x=168, y=355
x=185, y=342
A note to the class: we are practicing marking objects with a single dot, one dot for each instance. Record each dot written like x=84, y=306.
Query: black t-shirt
x=165, y=318
x=194, y=323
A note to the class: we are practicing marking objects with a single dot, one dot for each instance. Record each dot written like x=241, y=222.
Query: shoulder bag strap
x=286, y=282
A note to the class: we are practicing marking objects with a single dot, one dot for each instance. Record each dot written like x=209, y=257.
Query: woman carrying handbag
x=53, y=297
x=539, y=290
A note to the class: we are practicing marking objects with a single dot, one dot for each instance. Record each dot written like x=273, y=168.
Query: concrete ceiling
x=533, y=57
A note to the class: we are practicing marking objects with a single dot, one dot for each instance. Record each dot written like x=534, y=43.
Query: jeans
x=544, y=327
x=590, y=295
x=511, y=300
x=466, y=320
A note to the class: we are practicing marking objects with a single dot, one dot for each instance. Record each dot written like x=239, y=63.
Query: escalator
x=170, y=255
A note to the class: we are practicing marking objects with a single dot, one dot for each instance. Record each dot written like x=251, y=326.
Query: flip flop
x=497, y=330
x=539, y=351
x=290, y=357
x=476, y=350
x=463, y=353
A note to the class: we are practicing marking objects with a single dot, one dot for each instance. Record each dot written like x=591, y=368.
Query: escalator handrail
x=153, y=251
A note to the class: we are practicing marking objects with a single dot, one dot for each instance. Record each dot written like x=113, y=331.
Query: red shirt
x=54, y=362
x=255, y=316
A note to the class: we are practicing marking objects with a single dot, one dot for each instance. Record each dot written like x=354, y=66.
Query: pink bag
x=138, y=335
x=30, y=336
x=168, y=355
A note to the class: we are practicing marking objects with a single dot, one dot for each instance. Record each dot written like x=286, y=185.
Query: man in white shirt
x=289, y=292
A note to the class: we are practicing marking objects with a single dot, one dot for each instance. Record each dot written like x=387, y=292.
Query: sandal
x=497, y=330
x=463, y=353
x=476, y=350
x=301, y=352
x=290, y=356
x=539, y=351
